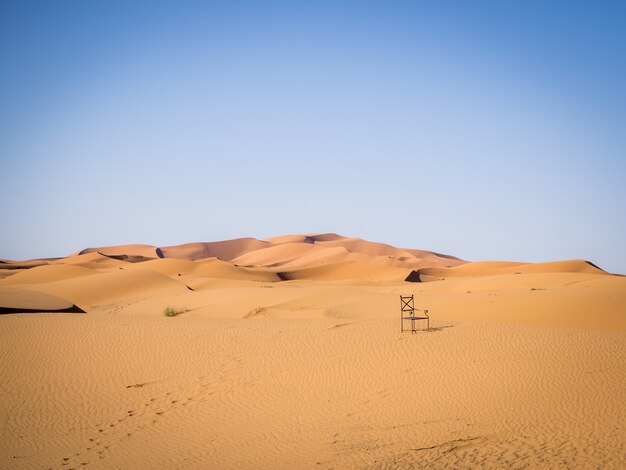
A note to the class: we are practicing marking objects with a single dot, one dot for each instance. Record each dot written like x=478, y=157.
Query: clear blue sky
x=485, y=130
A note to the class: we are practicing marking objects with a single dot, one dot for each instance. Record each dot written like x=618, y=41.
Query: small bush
x=172, y=312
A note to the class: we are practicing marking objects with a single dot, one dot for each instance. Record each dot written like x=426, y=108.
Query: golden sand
x=288, y=354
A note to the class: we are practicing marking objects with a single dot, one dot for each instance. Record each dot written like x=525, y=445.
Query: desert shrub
x=172, y=312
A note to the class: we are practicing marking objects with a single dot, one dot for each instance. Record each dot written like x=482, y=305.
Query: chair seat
x=415, y=318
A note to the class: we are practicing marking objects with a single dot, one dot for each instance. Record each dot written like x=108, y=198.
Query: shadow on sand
x=434, y=329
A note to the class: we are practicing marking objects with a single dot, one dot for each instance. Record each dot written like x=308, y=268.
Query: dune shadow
x=128, y=258
x=414, y=276
x=435, y=329
x=10, y=310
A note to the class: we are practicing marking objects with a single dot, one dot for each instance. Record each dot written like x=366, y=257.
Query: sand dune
x=93, y=260
x=206, y=268
x=224, y=250
x=287, y=353
x=9, y=268
x=310, y=238
x=220, y=269
x=276, y=251
x=298, y=254
x=570, y=300
x=541, y=293
x=121, y=286
x=147, y=251
x=23, y=300
x=47, y=273
x=290, y=239
x=357, y=245
x=9, y=264
x=347, y=271
x=496, y=268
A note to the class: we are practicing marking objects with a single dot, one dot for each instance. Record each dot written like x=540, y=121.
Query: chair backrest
x=406, y=303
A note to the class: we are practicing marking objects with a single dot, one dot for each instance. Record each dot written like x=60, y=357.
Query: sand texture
x=287, y=353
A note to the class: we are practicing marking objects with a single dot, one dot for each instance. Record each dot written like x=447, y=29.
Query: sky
x=486, y=130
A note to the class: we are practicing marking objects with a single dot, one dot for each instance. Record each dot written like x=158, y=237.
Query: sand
x=288, y=354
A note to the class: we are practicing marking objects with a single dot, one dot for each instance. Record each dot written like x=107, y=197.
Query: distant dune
x=125, y=276
x=287, y=353
x=275, y=251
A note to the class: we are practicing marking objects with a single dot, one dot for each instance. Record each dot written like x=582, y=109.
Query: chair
x=408, y=313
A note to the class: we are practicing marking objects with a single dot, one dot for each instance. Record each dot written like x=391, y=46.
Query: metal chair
x=408, y=313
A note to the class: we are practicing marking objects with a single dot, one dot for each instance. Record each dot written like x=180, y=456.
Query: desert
x=335, y=235
x=287, y=353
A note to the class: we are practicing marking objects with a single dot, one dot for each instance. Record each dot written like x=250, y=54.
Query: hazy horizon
x=485, y=131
